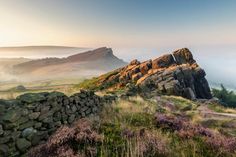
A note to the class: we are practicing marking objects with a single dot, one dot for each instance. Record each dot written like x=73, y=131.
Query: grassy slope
x=129, y=128
x=8, y=90
x=136, y=114
x=96, y=82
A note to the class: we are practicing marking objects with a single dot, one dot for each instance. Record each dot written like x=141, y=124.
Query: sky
x=140, y=29
x=118, y=23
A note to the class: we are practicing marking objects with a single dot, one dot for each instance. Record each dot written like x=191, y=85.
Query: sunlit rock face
x=173, y=74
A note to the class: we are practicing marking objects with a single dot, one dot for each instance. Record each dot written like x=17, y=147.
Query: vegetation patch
x=97, y=83
x=227, y=98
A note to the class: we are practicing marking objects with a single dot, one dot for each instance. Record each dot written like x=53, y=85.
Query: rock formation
x=172, y=74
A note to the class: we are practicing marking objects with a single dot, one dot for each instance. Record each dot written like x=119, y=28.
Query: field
x=10, y=90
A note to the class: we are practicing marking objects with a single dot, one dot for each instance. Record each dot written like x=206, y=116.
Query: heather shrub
x=181, y=125
x=81, y=139
x=150, y=144
x=142, y=142
x=212, y=142
x=169, y=123
x=131, y=142
x=222, y=144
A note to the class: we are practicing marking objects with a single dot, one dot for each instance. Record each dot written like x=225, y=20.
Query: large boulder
x=134, y=62
x=145, y=67
x=163, y=61
x=183, y=56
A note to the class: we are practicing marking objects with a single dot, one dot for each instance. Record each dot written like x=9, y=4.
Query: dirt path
x=206, y=112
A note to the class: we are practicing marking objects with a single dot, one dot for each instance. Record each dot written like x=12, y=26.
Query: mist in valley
x=218, y=62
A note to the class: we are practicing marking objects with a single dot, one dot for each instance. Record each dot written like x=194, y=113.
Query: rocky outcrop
x=172, y=74
x=32, y=118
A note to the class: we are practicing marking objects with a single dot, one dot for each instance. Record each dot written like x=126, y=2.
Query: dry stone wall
x=32, y=118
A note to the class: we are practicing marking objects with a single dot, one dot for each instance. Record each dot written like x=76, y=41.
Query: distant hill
x=6, y=64
x=24, y=48
x=89, y=63
x=39, y=51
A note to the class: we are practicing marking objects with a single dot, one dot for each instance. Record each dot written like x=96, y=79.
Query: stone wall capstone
x=31, y=118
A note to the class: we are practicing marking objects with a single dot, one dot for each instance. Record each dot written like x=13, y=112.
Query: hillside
x=89, y=63
x=100, y=54
x=8, y=63
x=39, y=51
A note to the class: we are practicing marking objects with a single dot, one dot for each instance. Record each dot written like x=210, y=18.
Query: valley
x=159, y=107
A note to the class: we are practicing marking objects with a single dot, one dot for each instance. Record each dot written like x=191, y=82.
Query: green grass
x=9, y=91
x=216, y=108
x=89, y=84
x=132, y=114
x=97, y=83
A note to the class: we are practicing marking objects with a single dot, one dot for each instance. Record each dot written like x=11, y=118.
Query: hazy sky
x=118, y=23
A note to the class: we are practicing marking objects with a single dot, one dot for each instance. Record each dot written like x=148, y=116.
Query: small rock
x=73, y=108
x=45, y=109
x=1, y=130
x=48, y=120
x=27, y=132
x=12, y=115
x=22, y=120
x=27, y=125
x=15, y=135
x=37, y=125
x=22, y=144
x=4, y=150
x=34, y=115
x=4, y=139
x=71, y=118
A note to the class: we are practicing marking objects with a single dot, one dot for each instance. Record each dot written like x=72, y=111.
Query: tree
x=228, y=98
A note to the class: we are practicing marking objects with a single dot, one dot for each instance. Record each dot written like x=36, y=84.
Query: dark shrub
x=228, y=98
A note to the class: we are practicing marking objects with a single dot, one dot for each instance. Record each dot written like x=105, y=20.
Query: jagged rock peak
x=174, y=74
x=178, y=57
x=183, y=56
